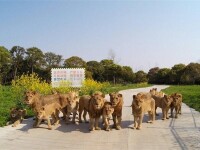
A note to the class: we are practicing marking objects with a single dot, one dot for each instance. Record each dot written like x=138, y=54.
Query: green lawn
x=6, y=102
x=191, y=94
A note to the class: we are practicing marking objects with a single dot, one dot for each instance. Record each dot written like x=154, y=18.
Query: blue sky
x=142, y=34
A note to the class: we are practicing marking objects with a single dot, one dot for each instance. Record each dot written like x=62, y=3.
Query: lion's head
x=115, y=98
x=72, y=99
x=17, y=113
x=30, y=96
x=177, y=98
x=97, y=100
x=168, y=99
x=108, y=109
x=138, y=100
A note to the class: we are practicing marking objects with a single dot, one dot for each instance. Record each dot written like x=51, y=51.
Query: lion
x=107, y=114
x=142, y=103
x=49, y=110
x=72, y=106
x=117, y=102
x=154, y=92
x=164, y=103
x=36, y=101
x=16, y=116
x=83, y=106
x=95, y=109
x=176, y=104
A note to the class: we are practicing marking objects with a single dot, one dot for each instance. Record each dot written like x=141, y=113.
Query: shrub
x=90, y=86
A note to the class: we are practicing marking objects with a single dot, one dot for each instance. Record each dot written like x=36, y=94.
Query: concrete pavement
x=172, y=134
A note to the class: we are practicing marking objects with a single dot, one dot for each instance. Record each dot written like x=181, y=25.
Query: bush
x=90, y=86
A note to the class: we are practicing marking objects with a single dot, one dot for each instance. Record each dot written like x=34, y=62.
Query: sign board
x=73, y=77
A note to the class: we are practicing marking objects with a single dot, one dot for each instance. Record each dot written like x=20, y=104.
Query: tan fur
x=176, y=104
x=117, y=102
x=142, y=103
x=164, y=103
x=16, y=116
x=107, y=114
x=49, y=110
x=83, y=106
x=72, y=106
x=36, y=101
x=95, y=109
x=154, y=92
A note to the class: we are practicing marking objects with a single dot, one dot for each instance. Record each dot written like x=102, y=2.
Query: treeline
x=18, y=61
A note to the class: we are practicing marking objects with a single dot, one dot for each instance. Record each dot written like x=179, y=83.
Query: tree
x=152, y=75
x=5, y=62
x=176, y=73
x=74, y=62
x=96, y=69
x=112, y=71
x=163, y=76
x=127, y=74
x=140, y=76
x=52, y=60
x=191, y=74
x=35, y=58
x=17, y=54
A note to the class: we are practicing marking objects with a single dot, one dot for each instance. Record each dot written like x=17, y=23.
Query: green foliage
x=191, y=94
x=5, y=60
x=90, y=86
x=75, y=62
x=6, y=102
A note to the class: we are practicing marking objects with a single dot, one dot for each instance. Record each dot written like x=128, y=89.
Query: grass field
x=191, y=94
x=9, y=100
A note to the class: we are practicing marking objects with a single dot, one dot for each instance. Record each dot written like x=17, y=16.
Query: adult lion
x=117, y=102
x=95, y=109
x=164, y=103
x=176, y=104
x=142, y=103
x=83, y=106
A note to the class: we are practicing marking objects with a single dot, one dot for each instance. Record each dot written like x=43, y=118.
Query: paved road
x=172, y=134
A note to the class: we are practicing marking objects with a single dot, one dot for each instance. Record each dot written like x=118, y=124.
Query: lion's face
x=108, y=109
x=153, y=91
x=138, y=100
x=115, y=98
x=98, y=101
x=168, y=99
x=72, y=99
x=14, y=112
x=176, y=99
x=29, y=97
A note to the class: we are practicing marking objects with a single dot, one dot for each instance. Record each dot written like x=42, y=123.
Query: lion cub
x=47, y=111
x=16, y=116
x=107, y=114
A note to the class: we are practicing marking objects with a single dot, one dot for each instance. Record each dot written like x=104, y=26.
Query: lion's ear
x=120, y=95
x=165, y=96
x=103, y=95
x=110, y=94
x=134, y=96
x=34, y=92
